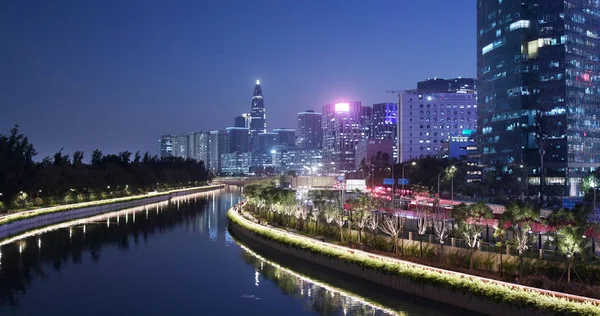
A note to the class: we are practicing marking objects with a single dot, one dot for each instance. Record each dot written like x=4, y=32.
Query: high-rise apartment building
x=166, y=146
x=200, y=147
x=428, y=120
x=310, y=131
x=539, y=89
x=344, y=125
x=286, y=136
x=181, y=146
x=384, y=123
x=238, y=139
x=258, y=122
x=219, y=144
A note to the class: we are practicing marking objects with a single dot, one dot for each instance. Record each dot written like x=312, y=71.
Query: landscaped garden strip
x=497, y=291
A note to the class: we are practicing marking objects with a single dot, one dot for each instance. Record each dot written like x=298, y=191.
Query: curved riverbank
x=465, y=291
x=15, y=223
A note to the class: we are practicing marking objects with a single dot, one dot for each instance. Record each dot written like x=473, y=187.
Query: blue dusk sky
x=116, y=75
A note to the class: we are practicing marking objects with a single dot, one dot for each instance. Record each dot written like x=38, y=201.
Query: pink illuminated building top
x=344, y=125
x=342, y=107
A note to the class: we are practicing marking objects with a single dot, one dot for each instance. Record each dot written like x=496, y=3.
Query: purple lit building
x=344, y=125
x=384, y=123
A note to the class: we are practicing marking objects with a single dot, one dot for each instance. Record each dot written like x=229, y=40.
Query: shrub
x=93, y=196
x=38, y=201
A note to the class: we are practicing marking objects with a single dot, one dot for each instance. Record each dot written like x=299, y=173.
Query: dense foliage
x=63, y=179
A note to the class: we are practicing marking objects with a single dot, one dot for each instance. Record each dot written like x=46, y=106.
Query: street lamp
x=439, y=175
x=453, y=169
x=404, y=166
x=593, y=186
x=393, y=184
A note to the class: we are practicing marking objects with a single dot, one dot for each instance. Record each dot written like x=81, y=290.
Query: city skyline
x=171, y=62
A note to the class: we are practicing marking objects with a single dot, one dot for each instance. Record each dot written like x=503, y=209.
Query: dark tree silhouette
x=62, y=179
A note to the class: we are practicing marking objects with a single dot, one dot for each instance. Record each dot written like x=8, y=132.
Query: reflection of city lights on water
x=256, y=274
x=75, y=223
x=348, y=297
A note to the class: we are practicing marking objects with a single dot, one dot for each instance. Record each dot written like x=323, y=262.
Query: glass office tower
x=538, y=90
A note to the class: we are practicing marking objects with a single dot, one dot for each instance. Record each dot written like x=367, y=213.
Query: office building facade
x=286, y=136
x=539, y=89
x=298, y=160
x=344, y=125
x=236, y=163
x=310, y=131
x=367, y=149
x=440, y=85
x=267, y=142
x=239, y=121
x=428, y=120
x=238, y=139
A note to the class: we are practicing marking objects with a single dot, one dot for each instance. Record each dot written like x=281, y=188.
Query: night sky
x=116, y=75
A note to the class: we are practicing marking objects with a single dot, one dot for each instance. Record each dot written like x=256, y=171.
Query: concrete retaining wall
x=458, y=299
x=26, y=224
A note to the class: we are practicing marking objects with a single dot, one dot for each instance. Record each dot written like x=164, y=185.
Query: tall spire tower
x=258, y=123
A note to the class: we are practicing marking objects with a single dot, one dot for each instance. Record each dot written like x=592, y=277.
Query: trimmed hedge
x=494, y=291
x=63, y=208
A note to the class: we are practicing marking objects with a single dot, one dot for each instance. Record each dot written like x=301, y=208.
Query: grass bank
x=486, y=289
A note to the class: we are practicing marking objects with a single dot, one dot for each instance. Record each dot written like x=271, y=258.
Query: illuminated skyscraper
x=538, y=90
x=219, y=145
x=310, y=131
x=238, y=139
x=384, y=123
x=286, y=137
x=166, y=146
x=258, y=122
x=344, y=125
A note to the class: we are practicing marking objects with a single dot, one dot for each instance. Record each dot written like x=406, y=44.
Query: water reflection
x=171, y=258
x=28, y=256
x=317, y=296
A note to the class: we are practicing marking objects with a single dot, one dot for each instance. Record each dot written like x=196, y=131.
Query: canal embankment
x=23, y=221
x=469, y=292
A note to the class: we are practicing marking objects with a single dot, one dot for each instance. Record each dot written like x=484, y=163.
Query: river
x=176, y=258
